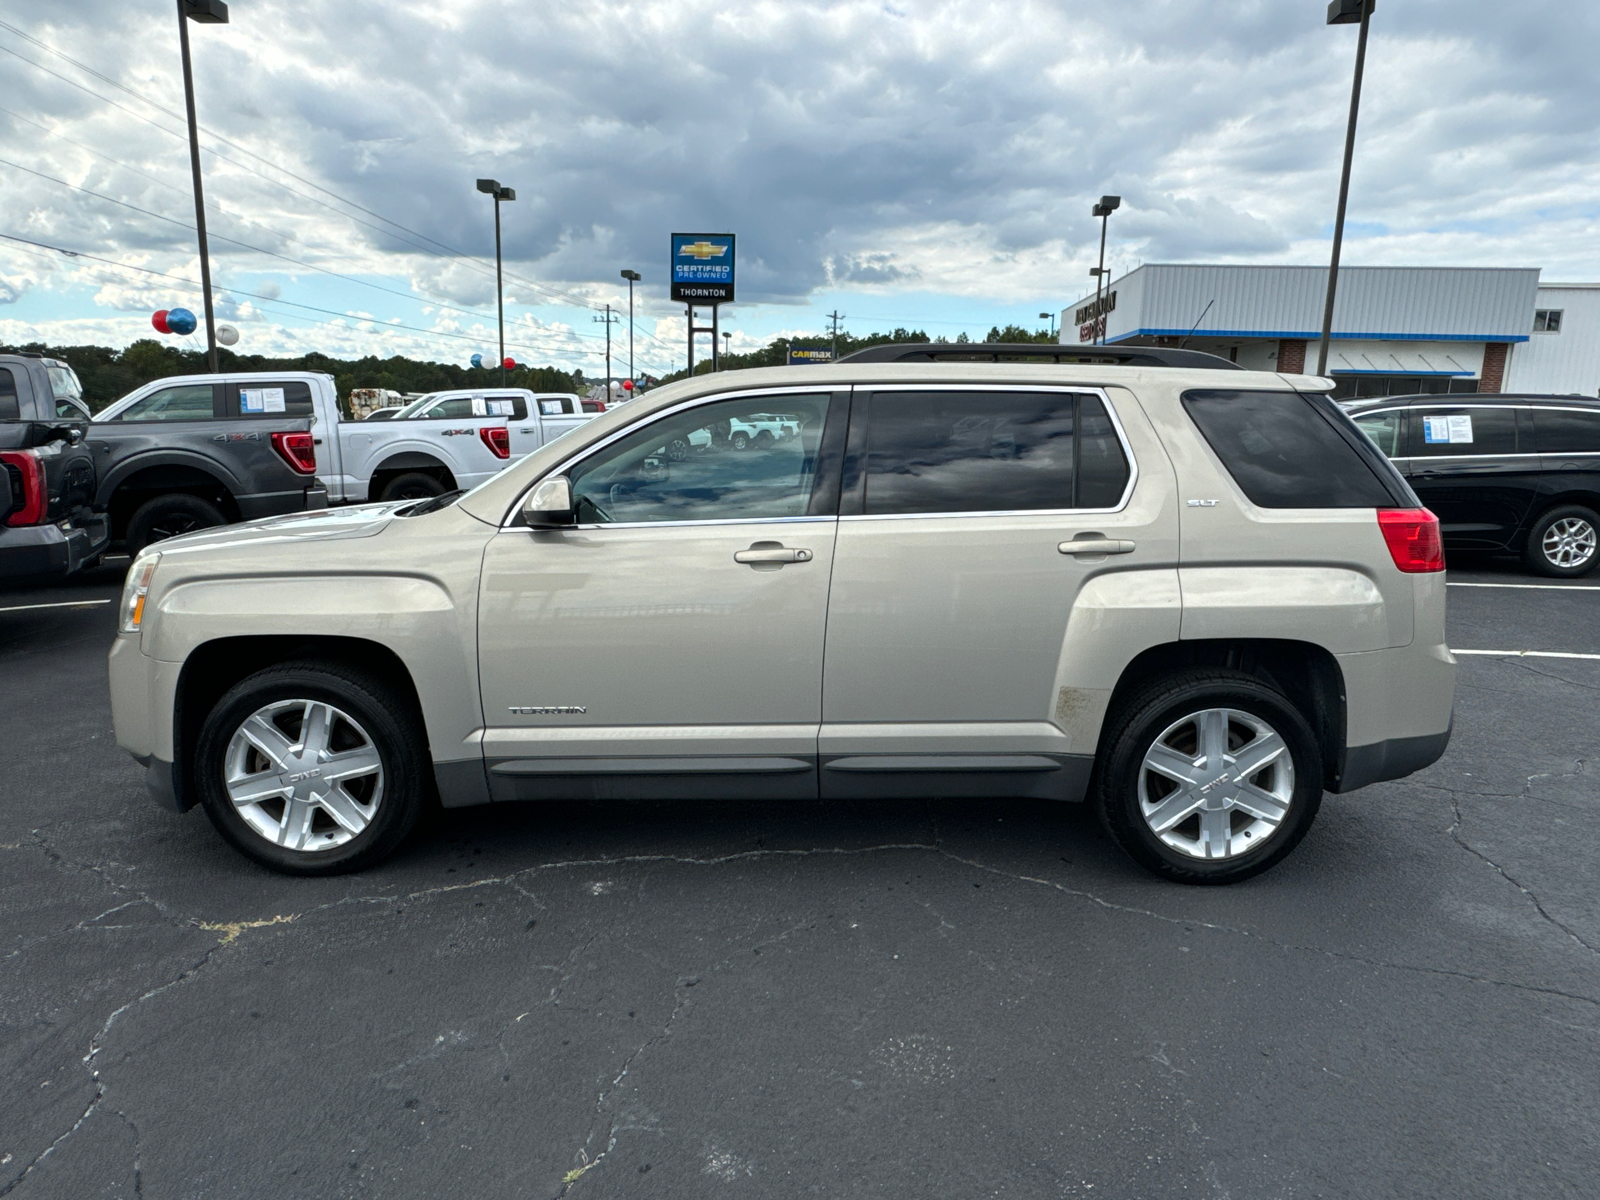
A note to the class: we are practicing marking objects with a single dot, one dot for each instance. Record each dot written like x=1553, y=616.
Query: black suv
x=1518, y=473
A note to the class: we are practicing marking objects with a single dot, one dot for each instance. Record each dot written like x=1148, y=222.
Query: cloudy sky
x=906, y=163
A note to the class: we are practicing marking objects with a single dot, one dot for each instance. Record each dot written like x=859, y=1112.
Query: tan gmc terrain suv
x=1196, y=596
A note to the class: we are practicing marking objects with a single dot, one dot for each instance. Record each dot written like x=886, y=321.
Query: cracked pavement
x=903, y=999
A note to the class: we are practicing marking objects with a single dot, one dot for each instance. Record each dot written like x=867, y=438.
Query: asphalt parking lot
x=910, y=999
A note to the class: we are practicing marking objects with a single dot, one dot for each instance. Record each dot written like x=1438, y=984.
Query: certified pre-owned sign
x=702, y=268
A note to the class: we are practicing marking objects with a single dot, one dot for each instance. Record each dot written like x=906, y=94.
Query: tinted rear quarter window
x=1283, y=452
x=10, y=408
x=1562, y=431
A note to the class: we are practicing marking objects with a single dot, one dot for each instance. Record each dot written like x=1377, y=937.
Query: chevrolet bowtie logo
x=701, y=250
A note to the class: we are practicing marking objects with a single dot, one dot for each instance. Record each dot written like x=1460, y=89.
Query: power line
x=469, y=260
x=273, y=300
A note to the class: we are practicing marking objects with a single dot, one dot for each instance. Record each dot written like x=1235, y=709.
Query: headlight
x=135, y=590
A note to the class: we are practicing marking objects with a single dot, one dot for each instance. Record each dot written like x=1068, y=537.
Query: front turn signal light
x=1413, y=538
x=135, y=590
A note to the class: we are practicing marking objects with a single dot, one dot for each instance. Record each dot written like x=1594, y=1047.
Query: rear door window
x=1566, y=431
x=10, y=407
x=1462, y=432
x=554, y=406
x=269, y=398
x=1283, y=452
x=181, y=402
x=454, y=409
x=513, y=407
x=989, y=451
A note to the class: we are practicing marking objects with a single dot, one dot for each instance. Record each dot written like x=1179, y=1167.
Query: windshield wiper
x=432, y=504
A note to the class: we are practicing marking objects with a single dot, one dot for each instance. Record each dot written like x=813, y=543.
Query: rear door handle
x=767, y=553
x=1096, y=544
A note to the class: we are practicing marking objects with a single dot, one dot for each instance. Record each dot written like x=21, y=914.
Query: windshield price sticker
x=1441, y=430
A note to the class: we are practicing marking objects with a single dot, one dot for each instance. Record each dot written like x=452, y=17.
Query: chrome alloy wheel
x=303, y=775
x=1216, y=783
x=1568, y=543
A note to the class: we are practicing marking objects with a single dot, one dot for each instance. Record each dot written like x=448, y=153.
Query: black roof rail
x=1127, y=356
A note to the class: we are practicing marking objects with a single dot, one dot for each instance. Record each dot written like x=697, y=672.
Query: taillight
x=27, y=477
x=1413, y=538
x=298, y=450
x=498, y=439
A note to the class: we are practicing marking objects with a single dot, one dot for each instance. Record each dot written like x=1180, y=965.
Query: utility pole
x=205, y=12
x=1344, y=12
x=836, y=316
x=609, y=321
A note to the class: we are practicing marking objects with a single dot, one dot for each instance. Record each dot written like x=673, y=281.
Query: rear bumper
x=49, y=550
x=1393, y=759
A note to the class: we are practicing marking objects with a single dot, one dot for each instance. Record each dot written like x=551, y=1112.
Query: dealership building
x=1396, y=330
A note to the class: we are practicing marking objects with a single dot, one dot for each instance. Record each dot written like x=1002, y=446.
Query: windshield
x=64, y=383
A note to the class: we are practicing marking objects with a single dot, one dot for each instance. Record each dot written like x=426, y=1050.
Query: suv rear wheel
x=312, y=769
x=1209, y=777
x=1563, y=542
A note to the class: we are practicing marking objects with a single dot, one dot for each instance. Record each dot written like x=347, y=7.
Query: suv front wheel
x=1209, y=777
x=312, y=769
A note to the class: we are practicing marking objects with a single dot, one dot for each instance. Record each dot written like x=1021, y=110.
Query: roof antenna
x=1196, y=324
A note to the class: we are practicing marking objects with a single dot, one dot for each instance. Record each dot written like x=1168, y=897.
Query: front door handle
x=771, y=552
x=1095, y=544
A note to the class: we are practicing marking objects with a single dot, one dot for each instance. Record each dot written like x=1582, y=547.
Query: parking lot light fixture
x=1103, y=210
x=492, y=187
x=203, y=12
x=632, y=277
x=1344, y=12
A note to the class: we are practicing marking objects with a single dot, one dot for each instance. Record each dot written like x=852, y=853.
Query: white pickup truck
x=458, y=439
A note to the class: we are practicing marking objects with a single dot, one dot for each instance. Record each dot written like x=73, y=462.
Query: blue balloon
x=181, y=321
x=477, y=359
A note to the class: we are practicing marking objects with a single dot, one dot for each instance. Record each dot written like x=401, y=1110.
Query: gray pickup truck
x=48, y=526
x=192, y=454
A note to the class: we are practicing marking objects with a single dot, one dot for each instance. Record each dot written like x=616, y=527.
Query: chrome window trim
x=1067, y=389
x=567, y=464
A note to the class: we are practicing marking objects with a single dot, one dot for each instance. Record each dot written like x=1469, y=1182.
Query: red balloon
x=159, y=320
x=509, y=363
x=627, y=385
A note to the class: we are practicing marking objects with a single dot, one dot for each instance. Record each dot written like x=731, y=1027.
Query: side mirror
x=549, y=506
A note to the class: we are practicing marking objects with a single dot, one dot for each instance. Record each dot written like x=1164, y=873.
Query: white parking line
x=1523, y=653
x=58, y=604
x=1538, y=587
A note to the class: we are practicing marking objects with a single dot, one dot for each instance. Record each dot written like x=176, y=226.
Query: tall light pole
x=204, y=12
x=1052, y=319
x=727, y=344
x=1344, y=12
x=632, y=277
x=493, y=188
x=1103, y=210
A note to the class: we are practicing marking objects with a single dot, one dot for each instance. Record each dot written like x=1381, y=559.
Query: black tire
x=168, y=516
x=677, y=449
x=740, y=440
x=388, y=722
x=1132, y=732
x=764, y=439
x=413, y=485
x=1580, y=548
